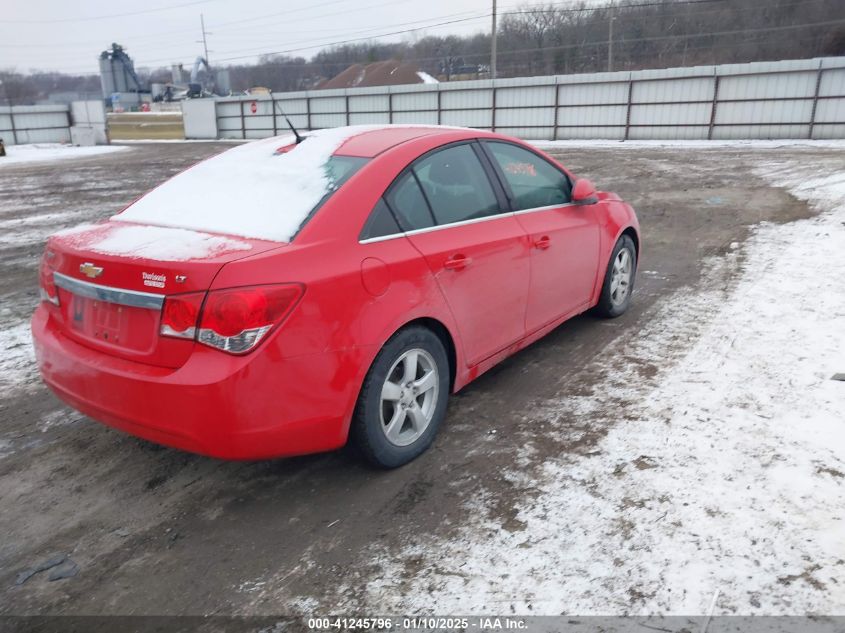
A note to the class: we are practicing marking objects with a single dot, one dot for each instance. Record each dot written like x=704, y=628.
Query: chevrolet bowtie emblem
x=90, y=270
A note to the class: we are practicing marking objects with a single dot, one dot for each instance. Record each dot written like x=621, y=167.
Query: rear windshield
x=254, y=190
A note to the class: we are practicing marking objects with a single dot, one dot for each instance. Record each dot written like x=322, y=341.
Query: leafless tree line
x=556, y=38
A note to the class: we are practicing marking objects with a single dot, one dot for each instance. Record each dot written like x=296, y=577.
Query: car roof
x=373, y=142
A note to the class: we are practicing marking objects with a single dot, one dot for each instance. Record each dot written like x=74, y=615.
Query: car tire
x=618, y=279
x=397, y=416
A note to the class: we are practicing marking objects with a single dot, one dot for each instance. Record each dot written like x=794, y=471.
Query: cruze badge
x=90, y=270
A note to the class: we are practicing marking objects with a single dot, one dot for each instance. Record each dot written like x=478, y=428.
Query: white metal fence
x=53, y=123
x=762, y=100
x=89, y=120
x=35, y=124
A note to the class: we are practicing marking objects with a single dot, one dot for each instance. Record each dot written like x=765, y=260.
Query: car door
x=564, y=237
x=457, y=217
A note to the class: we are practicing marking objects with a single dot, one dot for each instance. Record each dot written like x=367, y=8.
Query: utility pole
x=493, y=45
x=610, y=40
x=204, y=43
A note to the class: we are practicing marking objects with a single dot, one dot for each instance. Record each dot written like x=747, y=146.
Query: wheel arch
x=436, y=326
x=634, y=235
x=442, y=332
x=629, y=230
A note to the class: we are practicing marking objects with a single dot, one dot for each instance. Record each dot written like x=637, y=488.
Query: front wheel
x=403, y=399
x=619, y=279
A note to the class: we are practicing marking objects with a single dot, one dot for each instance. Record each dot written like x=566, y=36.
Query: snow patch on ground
x=153, y=242
x=249, y=190
x=46, y=152
x=76, y=230
x=33, y=228
x=17, y=361
x=720, y=481
x=426, y=78
x=59, y=417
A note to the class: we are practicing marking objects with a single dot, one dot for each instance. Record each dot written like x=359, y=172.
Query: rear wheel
x=403, y=399
x=619, y=279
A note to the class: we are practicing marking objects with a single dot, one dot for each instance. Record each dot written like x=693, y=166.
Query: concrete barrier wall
x=146, y=126
x=762, y=100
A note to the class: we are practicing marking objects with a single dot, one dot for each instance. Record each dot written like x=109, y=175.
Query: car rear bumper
x=231, y=407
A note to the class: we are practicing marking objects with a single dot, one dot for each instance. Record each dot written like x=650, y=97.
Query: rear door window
x=381, y=222
x=406, y=200
x=533, y=181
x=456, y=185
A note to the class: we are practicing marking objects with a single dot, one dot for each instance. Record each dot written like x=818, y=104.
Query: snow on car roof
x=250, y=190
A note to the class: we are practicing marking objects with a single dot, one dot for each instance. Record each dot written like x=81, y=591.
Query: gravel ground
x=570, y=479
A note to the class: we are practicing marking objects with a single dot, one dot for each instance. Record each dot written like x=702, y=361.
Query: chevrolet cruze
x=283, y=297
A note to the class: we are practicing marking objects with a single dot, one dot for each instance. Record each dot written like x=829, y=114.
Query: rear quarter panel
x=341, y=322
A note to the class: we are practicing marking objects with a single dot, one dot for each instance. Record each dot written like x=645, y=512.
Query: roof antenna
x=299, y=137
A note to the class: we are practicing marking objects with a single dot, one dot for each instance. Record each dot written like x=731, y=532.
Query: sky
x=69, y=36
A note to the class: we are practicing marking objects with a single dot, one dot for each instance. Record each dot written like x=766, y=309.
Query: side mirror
x=584, y=192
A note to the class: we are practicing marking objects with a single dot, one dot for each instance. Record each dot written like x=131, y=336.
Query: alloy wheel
x=409, y=397
x=620, y=277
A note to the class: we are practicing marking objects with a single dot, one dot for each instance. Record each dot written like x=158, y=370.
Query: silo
x=106, y=75
x=222, y=83
x=117, y=72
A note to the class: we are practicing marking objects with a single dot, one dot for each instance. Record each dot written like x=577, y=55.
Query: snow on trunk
x=163, y=244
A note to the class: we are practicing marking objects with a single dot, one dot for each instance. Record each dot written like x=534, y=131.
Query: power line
x=107, y=17
x=361, y=39
x=335, y=43
x=522, y=9
x=449, y=16
x=280, y=13
x=604, y=42
x=388, y=3
x=464, y=13
x=257, y=52
x=178, y=6
x=358, y=39
x=642, y=39
x=678, y=36
x=611, y=5
x=484, y=55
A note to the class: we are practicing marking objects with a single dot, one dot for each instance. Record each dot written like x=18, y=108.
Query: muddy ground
x=158, y=531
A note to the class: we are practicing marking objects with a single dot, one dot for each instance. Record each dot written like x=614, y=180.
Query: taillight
x=47, y=290
x=180, y=315
x=235, y=320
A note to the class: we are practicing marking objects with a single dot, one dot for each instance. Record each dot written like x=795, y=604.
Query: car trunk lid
x=112, y=279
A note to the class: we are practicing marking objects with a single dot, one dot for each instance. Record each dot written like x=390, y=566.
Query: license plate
x=97, y=319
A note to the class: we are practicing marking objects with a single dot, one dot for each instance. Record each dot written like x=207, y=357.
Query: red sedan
x=280, y=297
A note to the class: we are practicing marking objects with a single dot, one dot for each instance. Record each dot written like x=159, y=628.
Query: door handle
x=457, y=262
x=543, y=243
